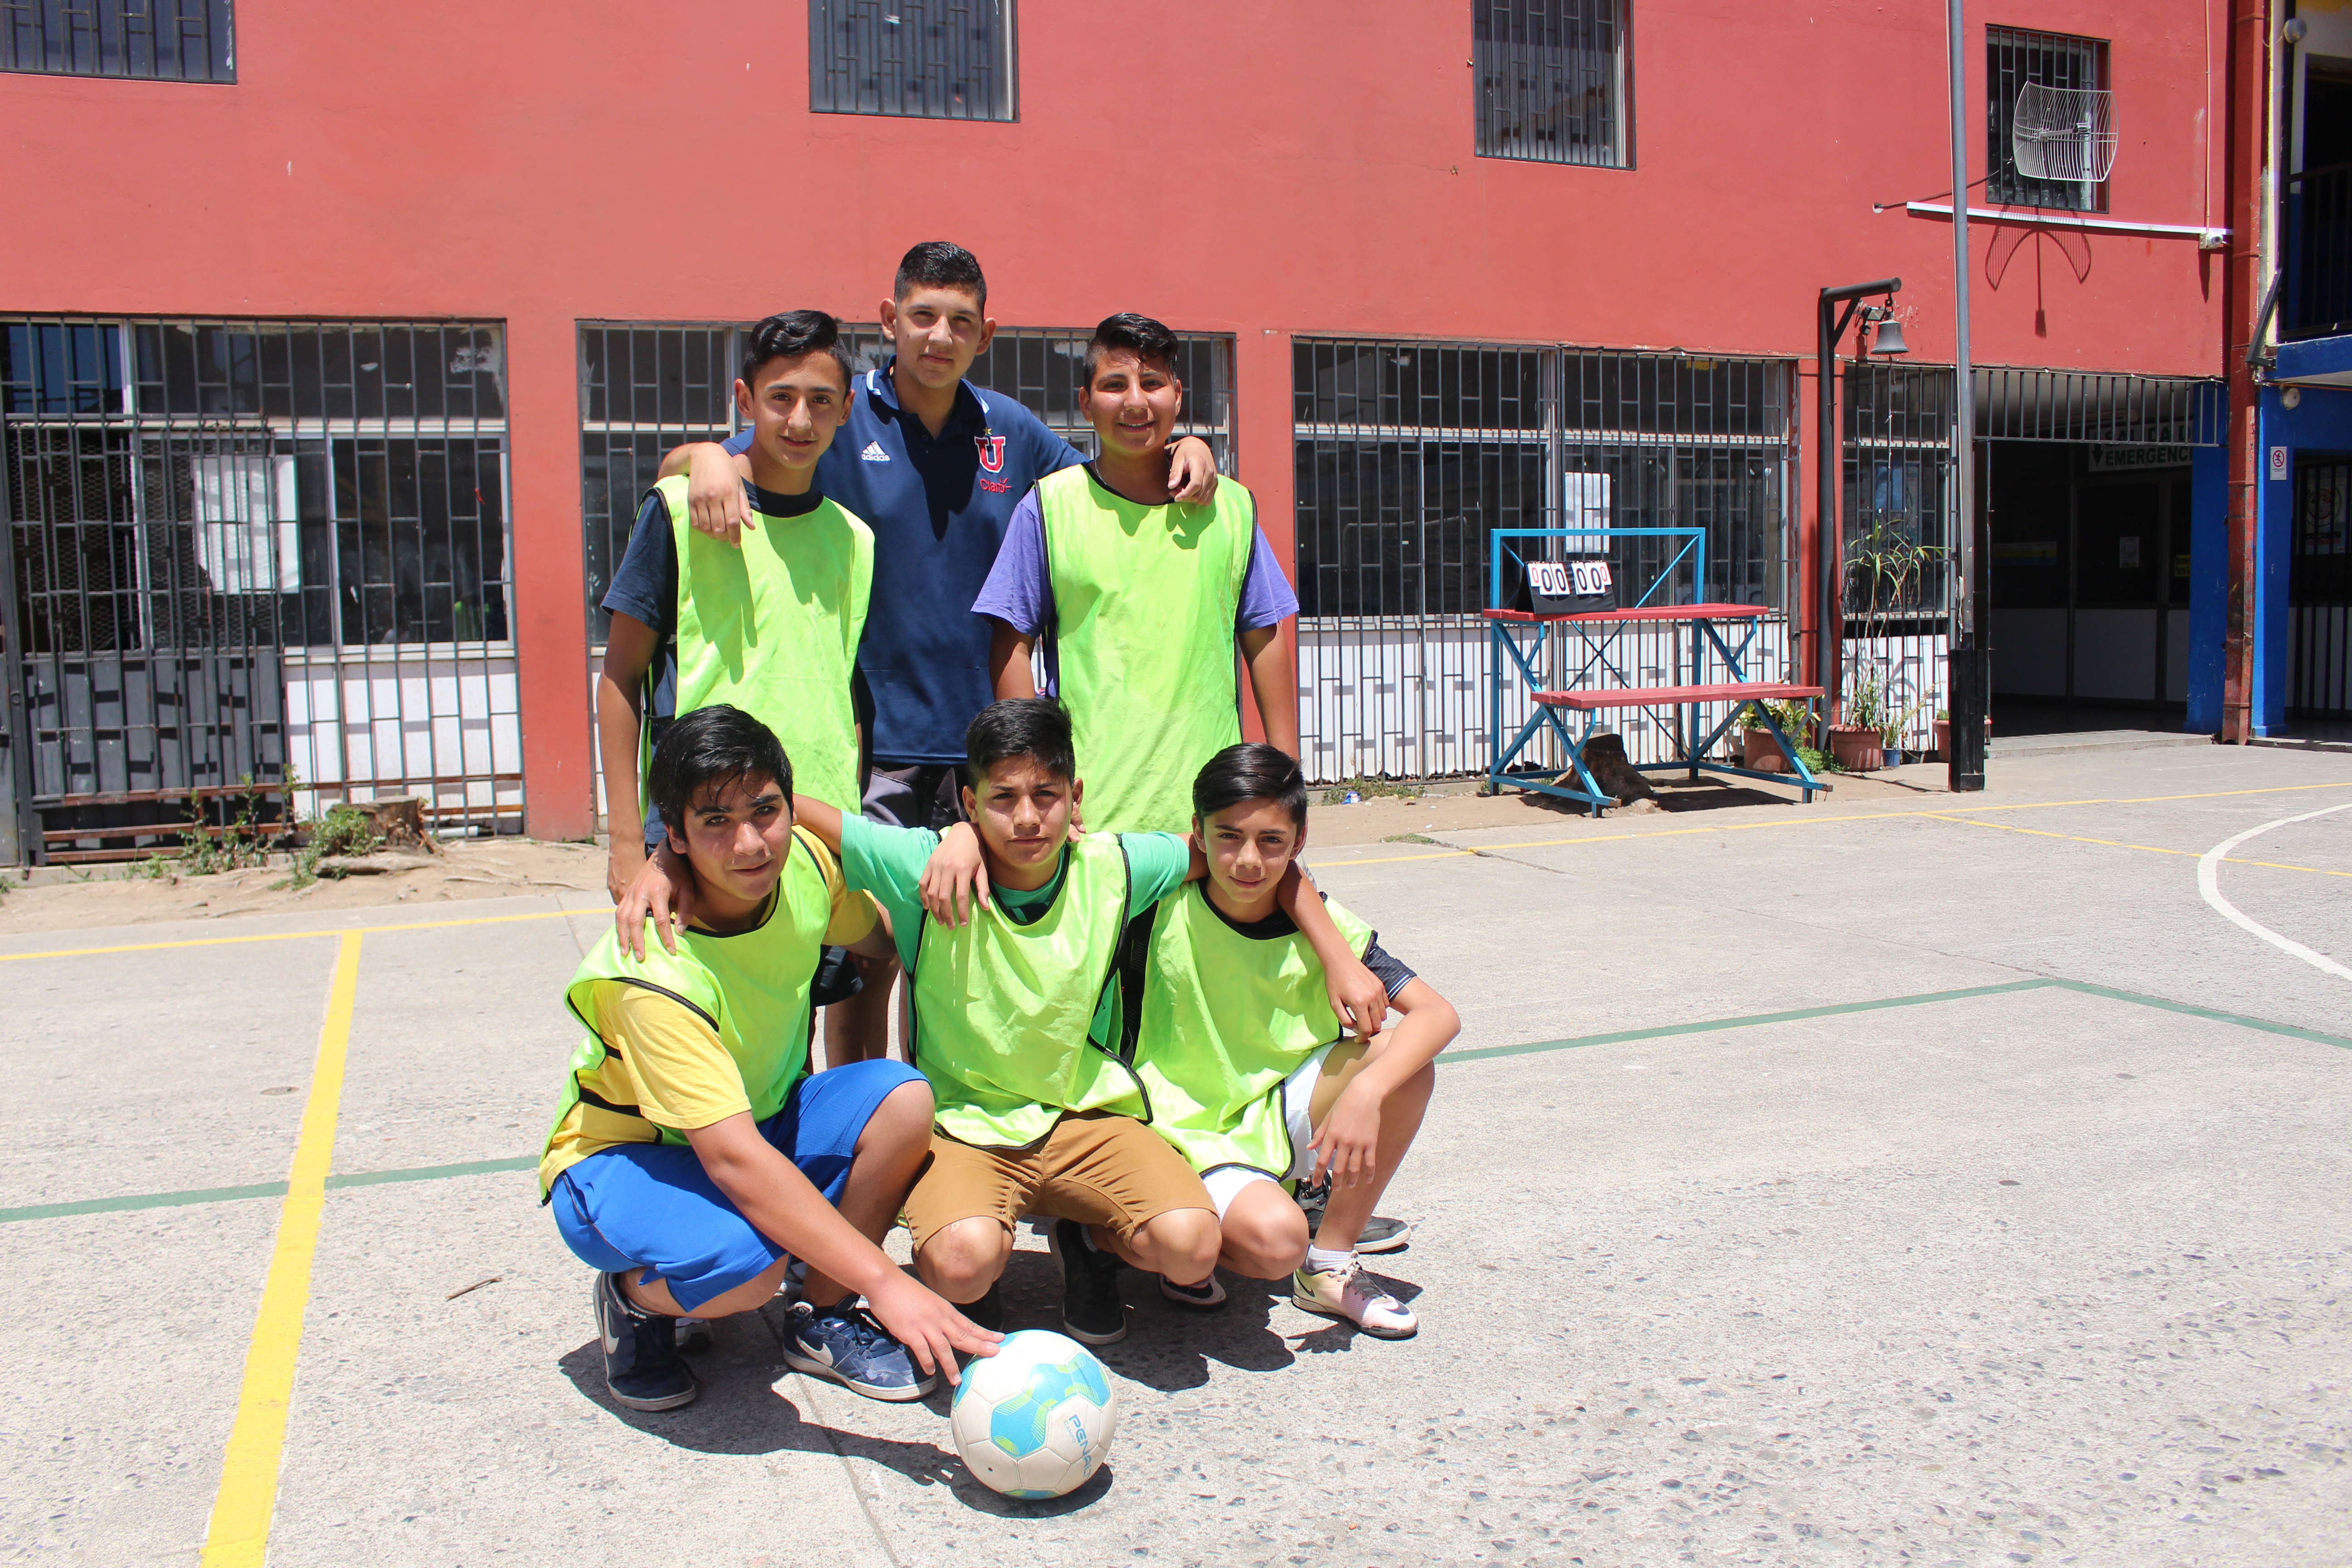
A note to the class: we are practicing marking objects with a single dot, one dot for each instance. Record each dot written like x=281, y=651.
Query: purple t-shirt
x=1020, y=592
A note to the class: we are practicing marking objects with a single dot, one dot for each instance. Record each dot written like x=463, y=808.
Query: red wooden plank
x=1647, y=613
x=1672, y=695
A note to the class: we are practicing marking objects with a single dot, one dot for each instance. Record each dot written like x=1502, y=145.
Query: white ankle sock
x=1326, y=1262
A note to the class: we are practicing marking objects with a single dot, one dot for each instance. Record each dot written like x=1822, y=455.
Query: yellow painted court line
x=2150, y=848
x=1948, y=814
x=296, y=935
x=240, y=1533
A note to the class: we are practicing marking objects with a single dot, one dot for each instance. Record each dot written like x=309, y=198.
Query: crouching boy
x=693, y=1156
x=1245, y=1059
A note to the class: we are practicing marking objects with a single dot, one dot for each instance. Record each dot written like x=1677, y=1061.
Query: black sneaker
x=1091, y=1310
x=1382, y=1233
x=1207, y=1296
x=988, y=1312
x=642, y=1368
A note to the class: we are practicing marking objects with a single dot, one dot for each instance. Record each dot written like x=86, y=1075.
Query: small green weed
x=345, y=830
x=1408, y=838
x=1367, y=788
x=243, y=840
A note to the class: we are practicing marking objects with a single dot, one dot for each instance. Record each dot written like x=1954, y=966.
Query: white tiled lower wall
x=373, y=718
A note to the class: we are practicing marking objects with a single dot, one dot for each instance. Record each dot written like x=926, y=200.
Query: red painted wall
x=1227, y=166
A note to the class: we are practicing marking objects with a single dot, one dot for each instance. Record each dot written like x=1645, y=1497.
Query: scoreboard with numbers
x=1574, y=586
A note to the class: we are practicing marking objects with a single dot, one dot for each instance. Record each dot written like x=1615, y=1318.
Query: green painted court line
x=432, y=1173
x=144, y=1201
x=1532, y=1047
x=259, y=1190
x=1711, y=1025
x=2264, y=1025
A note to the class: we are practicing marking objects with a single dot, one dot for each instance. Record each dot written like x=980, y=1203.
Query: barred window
x=1552, y=81
x=933, y=60
x=154, y=40
x=2016, y=59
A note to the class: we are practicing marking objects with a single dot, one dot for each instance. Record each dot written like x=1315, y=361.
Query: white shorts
x=1225, y=1182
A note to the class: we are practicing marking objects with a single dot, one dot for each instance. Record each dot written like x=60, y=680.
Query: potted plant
x=1858, y=744
x=1944, y=733
x=1761, y=751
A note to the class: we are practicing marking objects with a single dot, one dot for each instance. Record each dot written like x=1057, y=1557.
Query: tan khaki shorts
x=1094, y=1167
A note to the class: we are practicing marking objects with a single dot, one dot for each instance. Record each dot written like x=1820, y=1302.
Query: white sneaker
x=1347, y=1293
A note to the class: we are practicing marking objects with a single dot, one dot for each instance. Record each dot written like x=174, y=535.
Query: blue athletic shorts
x=652, y=1205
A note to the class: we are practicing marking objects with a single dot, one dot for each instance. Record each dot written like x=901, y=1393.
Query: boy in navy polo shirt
x=934, y=466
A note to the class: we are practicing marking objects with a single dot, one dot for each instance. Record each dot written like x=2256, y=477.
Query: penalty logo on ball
x=1035, y=1419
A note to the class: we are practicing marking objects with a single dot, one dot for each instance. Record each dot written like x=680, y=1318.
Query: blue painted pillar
x=2273, y=531
x=2208, y=585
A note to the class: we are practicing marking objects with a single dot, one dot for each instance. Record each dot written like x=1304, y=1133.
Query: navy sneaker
x=642, y=1368
x=844, y=1344
x=1091, y=1310
x=1382, y=1233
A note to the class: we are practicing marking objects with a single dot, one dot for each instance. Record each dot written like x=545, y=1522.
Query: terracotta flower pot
x=1944, y=739
x=1857, y=748
x=1762, y=753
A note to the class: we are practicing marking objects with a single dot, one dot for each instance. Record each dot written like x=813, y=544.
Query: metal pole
x=1970, y=665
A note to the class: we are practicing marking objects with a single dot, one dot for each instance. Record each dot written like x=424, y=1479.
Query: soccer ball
x=1035, y=1419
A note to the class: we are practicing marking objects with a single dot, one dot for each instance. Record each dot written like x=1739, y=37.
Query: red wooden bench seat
x=1672, y=696
x=1646, y=613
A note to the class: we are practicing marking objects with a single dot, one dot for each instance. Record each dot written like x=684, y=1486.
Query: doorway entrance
x=2087, y=583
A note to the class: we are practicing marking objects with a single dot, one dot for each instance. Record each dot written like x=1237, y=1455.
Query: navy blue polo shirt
x=938, y=510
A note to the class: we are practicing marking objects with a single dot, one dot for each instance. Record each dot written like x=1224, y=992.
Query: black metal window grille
x=2319, y=593
x=645, y=388
x=1897, y=544
x=1409, y=453
x=154, y=40
x=2015, y=57
x=2103, y=407
x=1552, y=80
x=237, y=546
x=933, y=60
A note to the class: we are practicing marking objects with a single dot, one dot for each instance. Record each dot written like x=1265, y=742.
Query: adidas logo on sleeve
x=874, y=453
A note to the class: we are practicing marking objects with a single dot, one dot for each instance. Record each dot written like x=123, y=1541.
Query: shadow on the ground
x=741, y=1410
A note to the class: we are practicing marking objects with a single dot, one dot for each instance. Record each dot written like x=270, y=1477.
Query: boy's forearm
x=819, y=818
x=1274, y=681
x=786, y=1207
x=680, y=460
x=1008, y=661
x=1298, y=900
x=618, y=723
x=1427, y=1027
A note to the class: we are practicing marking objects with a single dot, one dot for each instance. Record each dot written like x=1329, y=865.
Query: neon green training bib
x=773, y=629
x=1144, y=603
x=752, y=986
x=1002, y=1011
x=1225, y=1018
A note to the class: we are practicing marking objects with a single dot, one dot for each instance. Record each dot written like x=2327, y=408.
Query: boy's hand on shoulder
x=1191, y=471
x=1347, y=1144
x=663, y=891
x=928, y=1325
x=622, y=864
x=955, y=877
x=1358, y=997
x=714, y=494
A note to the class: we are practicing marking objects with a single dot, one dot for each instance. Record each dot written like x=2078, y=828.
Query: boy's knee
x=1266, y=1246
x=1185, y=1239
x=964, y=1259
x=908, y=1106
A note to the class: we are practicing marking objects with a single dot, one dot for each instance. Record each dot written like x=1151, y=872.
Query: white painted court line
x=2209, y=883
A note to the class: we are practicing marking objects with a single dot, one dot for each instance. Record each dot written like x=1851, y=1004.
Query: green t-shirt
x=888, y=862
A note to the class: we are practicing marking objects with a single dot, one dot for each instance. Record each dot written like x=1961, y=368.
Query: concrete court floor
x=1734, y=1266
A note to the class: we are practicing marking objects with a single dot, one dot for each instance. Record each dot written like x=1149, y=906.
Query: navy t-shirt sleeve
x=1386, y=967
x=1019, y=590
x=739, y=443
x=644, y=585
